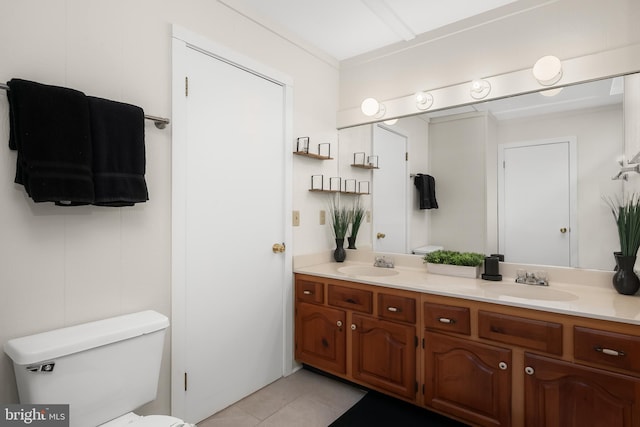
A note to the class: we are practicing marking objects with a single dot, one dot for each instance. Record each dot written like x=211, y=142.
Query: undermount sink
x=530, y=292
x=366, y=270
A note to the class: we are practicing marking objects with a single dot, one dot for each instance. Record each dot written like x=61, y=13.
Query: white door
x=389, y=192
x=229, y=210
x=537, y=201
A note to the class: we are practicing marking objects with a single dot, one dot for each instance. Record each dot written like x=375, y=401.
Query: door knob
x=563, y=230
x=380, y=235
x=278, y=248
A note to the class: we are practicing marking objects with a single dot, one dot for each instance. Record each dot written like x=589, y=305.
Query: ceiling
x=347, y=28
x=343, y=29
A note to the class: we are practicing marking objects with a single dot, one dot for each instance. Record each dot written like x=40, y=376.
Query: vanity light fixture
x=550, y=92
x=424, y=100
x=547, y=70
x=372, y=108
x=480, y=89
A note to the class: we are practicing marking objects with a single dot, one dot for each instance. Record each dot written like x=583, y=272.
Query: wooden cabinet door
x=562, y=394
x=320, y=337
x=384, y=355
x=467, y=379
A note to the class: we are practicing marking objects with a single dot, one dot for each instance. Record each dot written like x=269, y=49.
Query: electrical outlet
x=368, y=215
x=296, y=218
x=323, y=217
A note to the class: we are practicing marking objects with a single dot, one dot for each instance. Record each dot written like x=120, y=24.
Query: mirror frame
x=611, y=63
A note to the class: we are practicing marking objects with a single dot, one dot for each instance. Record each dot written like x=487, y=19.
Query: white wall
x=63, y=266
x=457, y=156
x=473, y=49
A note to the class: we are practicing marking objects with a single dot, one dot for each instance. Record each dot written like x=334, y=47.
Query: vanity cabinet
x=497, y=365
x=321, y=337
x=484, y=363
x=384, y=355
x=467, y=379
x=366, y=334
x=560, y=394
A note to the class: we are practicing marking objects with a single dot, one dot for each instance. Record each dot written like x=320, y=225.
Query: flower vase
x=625, y=280
x=339, y=254
x=352, y=242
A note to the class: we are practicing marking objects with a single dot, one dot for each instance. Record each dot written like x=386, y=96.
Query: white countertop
x=593, y=301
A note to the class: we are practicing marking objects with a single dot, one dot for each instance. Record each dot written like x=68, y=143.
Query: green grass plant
x=626, y=213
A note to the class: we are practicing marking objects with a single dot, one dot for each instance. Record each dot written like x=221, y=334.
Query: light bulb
x=370, y=107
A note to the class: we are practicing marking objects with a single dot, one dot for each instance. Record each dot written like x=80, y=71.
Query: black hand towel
x=117, y=134
x=426, y=185
x=50, y=130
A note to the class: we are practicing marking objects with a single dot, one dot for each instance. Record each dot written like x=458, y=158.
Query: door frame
x=182, y=40
x=407, y=205
x=573, y=190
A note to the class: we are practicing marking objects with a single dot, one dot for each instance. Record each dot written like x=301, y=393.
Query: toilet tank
x=102, y=369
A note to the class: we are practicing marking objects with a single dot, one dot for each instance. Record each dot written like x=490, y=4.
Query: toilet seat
x=159, y=421
x=134, y=420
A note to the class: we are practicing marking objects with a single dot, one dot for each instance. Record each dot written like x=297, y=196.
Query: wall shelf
x=312, y=155
x=302, y=149
x=315, y=190
x=342, y=187
x=364, y=166
x=362, y=161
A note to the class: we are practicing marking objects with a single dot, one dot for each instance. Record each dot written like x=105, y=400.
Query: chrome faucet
x=383, y=262
x=538, y=278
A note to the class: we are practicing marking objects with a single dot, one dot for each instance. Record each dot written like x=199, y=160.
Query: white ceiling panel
x=347, y=28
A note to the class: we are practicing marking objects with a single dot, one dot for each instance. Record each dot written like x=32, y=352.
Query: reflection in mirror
x=523, y=176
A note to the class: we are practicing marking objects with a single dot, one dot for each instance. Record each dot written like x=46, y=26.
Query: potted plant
x=340, y=218
x=357, y=215
x=626, y=213
x=454, y=263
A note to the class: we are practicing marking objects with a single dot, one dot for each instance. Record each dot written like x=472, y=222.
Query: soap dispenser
x=492, y=267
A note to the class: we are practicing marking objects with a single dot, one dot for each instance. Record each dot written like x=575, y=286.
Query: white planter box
x=454, y=270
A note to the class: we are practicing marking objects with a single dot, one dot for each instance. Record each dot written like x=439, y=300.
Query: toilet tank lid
x=62, y=342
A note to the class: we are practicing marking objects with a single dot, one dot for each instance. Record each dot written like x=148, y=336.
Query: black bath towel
x=50, y=130
x=426, y=185
x=117, y=133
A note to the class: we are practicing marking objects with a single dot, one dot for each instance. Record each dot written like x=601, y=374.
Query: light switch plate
x=296, y=218
x=323, y=217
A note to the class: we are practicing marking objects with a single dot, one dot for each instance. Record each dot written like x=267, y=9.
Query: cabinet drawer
x=309, y=291
x=447, y=318
x=349, y=298
x=394, y=307
x=528, y=333
x=607, y=348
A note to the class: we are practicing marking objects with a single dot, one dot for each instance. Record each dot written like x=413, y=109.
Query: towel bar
x=160, y=122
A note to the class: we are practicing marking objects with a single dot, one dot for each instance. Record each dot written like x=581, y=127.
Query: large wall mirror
x=524, y=176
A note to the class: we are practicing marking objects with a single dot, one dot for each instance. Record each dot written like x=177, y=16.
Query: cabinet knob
x=529, y=370
x=446, y=320
x=353, y=326
x=503, y=366
x=393, y=309
x=609, y=351
x=339, y=323
x=307, y=292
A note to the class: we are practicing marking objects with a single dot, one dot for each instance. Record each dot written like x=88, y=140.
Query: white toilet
x=103, y=370
x=423, y=250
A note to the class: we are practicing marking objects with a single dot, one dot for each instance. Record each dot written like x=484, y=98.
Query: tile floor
x=301, y=399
